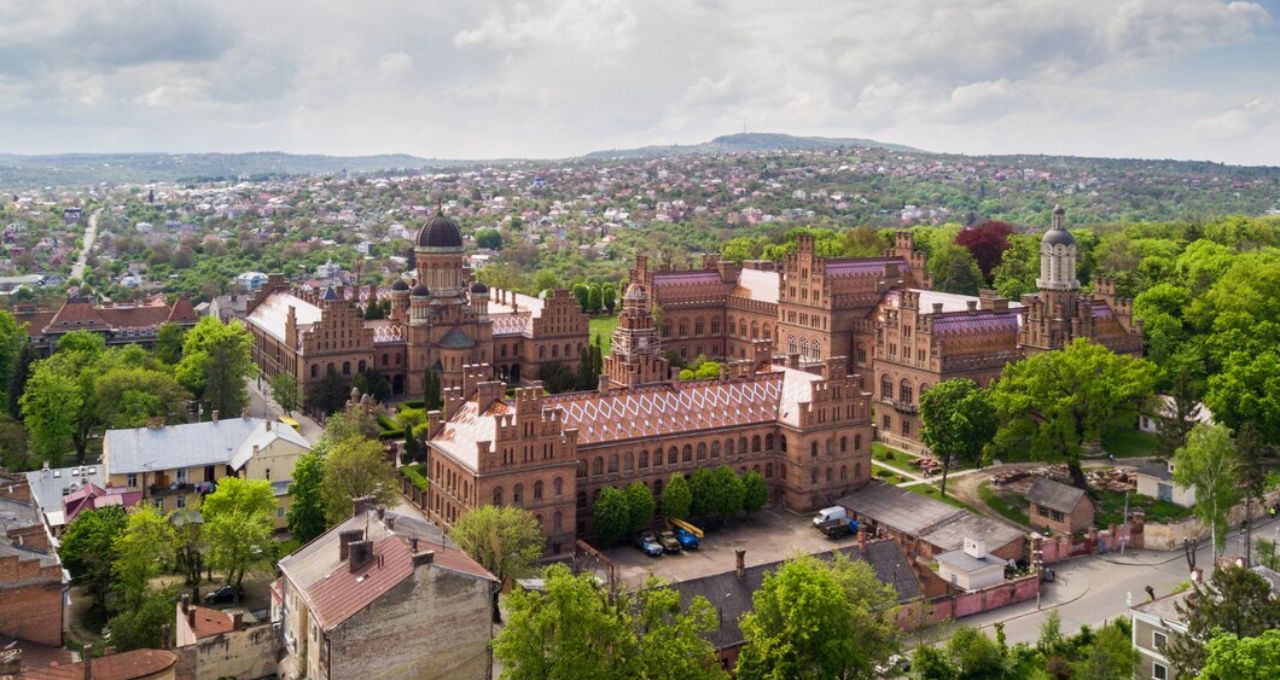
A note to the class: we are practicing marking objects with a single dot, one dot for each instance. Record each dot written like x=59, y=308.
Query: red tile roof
x=131, y=665
x=343, y=593
x=210, y=622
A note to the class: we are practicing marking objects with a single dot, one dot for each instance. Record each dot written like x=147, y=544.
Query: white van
x=828, y=514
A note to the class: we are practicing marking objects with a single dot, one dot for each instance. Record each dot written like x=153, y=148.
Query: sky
x=1185, y=79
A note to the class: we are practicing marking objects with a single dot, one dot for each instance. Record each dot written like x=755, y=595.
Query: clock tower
x=635, y=356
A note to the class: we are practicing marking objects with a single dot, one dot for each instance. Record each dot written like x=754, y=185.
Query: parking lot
x=770, y=535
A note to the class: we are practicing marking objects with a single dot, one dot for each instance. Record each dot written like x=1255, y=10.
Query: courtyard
x=770, y=535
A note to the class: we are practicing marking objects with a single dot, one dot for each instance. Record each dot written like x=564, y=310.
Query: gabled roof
x=1054, y=495
x=145, y=449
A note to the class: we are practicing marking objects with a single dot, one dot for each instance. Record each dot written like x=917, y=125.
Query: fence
x=960, y=605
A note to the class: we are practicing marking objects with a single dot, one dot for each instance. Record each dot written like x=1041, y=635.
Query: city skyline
x=1185, y=80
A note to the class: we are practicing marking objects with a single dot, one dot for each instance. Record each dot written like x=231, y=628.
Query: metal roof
x=146, y=449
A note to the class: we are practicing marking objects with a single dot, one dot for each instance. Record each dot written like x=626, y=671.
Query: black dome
x=421, y=290
x=1058, y=237
x=400, y=284
x=439, y=232
x=479, y=287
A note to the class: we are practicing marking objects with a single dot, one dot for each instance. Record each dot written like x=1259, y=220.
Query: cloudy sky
x=1193, y=79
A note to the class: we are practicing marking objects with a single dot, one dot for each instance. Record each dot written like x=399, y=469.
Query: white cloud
x=394, y=64
x=1240, y=122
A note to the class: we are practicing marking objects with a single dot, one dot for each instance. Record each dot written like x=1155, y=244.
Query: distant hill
x=118, y=168
x=749, y=141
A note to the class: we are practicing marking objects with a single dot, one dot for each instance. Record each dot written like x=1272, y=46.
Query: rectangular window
x=182, y=475
x=132, y=481
x=1159, y=640
x=1057, y=516
x=1159, y=671
x=182, y=501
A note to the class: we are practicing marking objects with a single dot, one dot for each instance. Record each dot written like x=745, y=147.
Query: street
x=90, y=235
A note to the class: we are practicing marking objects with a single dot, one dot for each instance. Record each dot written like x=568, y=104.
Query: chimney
x=425, y=557
x=937, y=308
x=793, y=360
x=237, y=621
x=363, y=504
x=266, y=425
x=345, y=539
x=87, y=654
x=244, y=413
x=360, y=554
x=191, y=619
x=740, y=558
x=413, y=544
x=214, y=417
x=603, y=384
x=186, y=602
x=972, y=305
x=255, y=450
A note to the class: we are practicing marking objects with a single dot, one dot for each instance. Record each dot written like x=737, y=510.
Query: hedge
x=415, y=476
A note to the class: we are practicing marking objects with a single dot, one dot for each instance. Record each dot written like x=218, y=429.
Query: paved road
x=1093, y=590
x=90, y=235
x=261, y=405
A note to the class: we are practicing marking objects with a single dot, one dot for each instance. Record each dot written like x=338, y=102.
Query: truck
x=689, y=535
x=828, y=514
x=838, y=527
x=669, y=541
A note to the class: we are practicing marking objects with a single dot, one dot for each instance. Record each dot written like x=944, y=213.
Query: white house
x=1156, y=480
x=1166, y=409
x=971, y=568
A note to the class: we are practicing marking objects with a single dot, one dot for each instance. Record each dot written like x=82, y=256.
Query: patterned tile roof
x=957, y=323
x=385, y=332
x=698, y=278
x=520, y=323
x=1102, y=310
x=863, y=267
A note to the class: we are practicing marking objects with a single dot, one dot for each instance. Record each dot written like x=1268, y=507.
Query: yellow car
x=291, y=423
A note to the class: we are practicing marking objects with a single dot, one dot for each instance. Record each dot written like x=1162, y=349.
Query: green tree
x=169, y=341
x=959, y=422
x=609, y=295
x=954, y=270
x=1063, y=399
x=215, y=364
x=932, y=663
x=142, y=626
x=1233, y=601
x=13, y=338
x=505, y=540
x=974, y=655
x=306, y=514
x=755, y=494
x=432, y=390
x=640, y=506
x=595, y=298
x=89, y=550
x=142, y=550
x=130, y=397
x=1230, y=657
x=239, y=542
x=610, y=515
x=189, y=548
x=1210, y=465
x=50, y=405
x=489, y=238
x=330, y=394
x=233, y=494
x=17, y=384
x=284, y=388
x=1246, y=393
x=1111, y=656
x=804, y=624
x=582, y=294
x=353, y=468
x=568, y=632
x=700, y=493
x=677, y=499
x=727, y=492
x=672, y=640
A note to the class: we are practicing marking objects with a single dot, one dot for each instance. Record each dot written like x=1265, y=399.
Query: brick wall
x=32, y=600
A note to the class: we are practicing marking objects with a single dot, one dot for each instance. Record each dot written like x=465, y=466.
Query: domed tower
x=480, y=299
x=400, y=301
x=635, y=354
x=439, y=257
x=419, y=304
x=1058, y=256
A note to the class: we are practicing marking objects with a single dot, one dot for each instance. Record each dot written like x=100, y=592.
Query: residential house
x=1155, y=480
x=175, y=466
x=1060, y=508
x=213, y=644
x=32, y=582
x=971, y=567
x=384, y=595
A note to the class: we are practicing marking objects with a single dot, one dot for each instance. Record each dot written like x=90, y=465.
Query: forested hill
x=749, y=141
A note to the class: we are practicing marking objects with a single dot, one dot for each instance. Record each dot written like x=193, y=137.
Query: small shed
x=1058, y=507
x=1155, y=480
x=971, y=568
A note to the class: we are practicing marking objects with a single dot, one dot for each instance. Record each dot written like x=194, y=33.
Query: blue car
x=648, y=542
x=687, y=540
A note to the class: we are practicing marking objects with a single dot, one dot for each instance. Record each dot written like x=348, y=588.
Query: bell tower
x=635, y=356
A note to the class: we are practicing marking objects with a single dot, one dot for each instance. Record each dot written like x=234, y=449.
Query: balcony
x=173, y=488
x=905, y=407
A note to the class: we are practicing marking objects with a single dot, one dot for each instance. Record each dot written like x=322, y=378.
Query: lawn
x=889, y=476
x=1110, y=509
x=1009, y=505
x=932, y=492
x=603, y=326
x=899, y=459
x=1130, y=443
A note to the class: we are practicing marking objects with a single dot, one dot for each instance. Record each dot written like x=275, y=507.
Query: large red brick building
x=441, y=321
x=31, y=578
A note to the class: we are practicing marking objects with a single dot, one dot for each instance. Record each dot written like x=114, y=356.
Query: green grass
x=932, y=492
x=602, y=326
x=889, y=476
x=1009, y=505
x=1130, y=444
x=1110, y=509
x=899, y=459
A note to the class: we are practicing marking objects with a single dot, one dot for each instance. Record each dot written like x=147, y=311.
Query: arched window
x=814, y=476
x=768, y=442
x=686, y=454
x=582, y=500
x=629, y=461
x=557, y=521
x=904, y=392
x=742, y=329
x=782, y=444
x=730, y=328
x=791, y=345
x=857, y=470
x=555, y=351
x=804, y=348
x=684, y=328
x=830, y=447
x=755, y=330
x=844, y=444
x=886, y=387
x=698, y=327
x=742, y=446
x=613, y=463
x=537, y=490
x=844, y=473
x=582, y=468
x=813, y=449
x=715, y=450
x=542, y=352
x=597, y=466
x=360, y=366
x=728, y=447
x=857, y=442
x=557, y=485
x=568, y=350
x=755, y=444
x=346, y=368
x=768, y=470
x=768, y=333
x=828, y=475
x=701, y=451
x=644, y=459
x=315, y=370
x=673, y=456
x=923, y=387
x=657, y=489
x=497, y=495
x=517, y=494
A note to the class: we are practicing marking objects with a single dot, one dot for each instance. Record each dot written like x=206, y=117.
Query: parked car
x=894, y=666
x=669, y=541
x=828, y=514
x=1047, y=574
x=222, y=595
x=687, y=540
x=838, y=528
x=649, y=543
